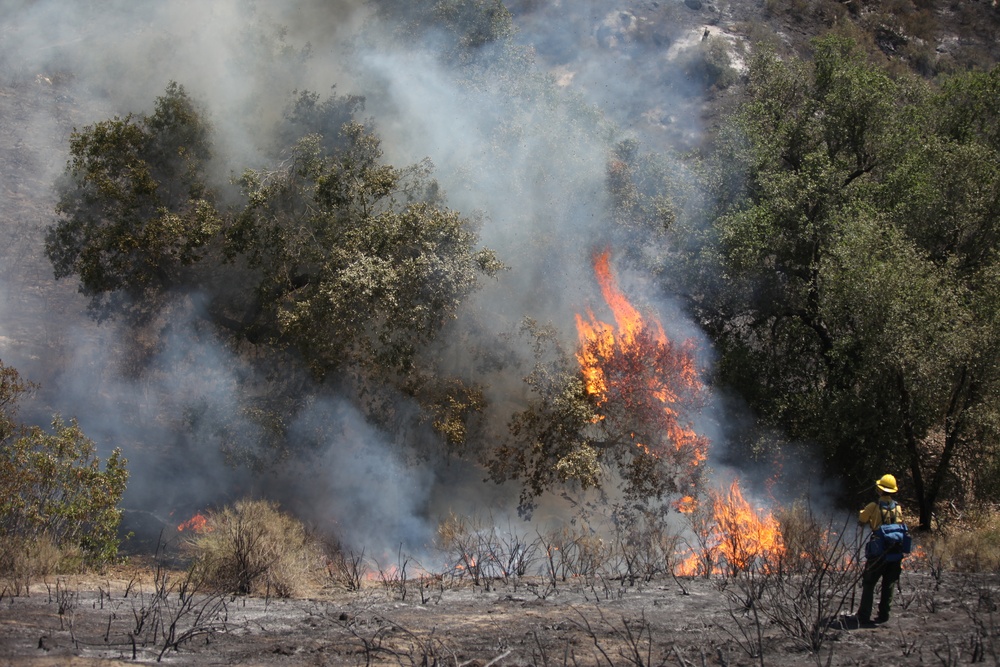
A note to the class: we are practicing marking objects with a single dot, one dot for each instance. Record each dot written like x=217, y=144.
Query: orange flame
x=633, y=367
x=469, y=561
x=197, y=524
x=686, y=505
x=689, y=567
x=746, y=535
x=731, y=534
x=612, y=359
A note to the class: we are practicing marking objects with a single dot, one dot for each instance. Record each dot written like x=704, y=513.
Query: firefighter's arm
x=867, y=514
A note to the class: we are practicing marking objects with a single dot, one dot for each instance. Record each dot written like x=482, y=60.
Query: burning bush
x=252, y=547
x=645, y=389
x=730, y=535
x=624, y=411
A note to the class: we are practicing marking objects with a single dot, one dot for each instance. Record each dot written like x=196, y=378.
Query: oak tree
x=856, y=237
x=134, y=208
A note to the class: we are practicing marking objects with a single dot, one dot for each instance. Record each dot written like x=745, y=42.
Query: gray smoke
x=508, y=147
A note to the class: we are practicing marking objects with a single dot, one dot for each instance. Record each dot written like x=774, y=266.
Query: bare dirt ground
x=119, y=618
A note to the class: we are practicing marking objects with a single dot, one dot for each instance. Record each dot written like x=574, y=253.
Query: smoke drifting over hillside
x=522, y=159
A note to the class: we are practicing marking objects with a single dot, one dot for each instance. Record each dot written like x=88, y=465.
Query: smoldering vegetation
x=204, y=422
x=509, y=596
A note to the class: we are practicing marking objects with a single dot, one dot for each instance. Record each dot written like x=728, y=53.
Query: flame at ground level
x=197, y=524
x=731, y=535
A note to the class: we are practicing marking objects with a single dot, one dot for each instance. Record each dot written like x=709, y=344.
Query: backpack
x=890, y=542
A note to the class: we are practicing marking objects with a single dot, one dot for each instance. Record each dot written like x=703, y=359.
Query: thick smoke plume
x=521, y=159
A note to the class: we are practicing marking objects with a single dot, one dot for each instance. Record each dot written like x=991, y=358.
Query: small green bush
x=58, y=508
x=253, y=548
x=710, y=64
x=55, y=489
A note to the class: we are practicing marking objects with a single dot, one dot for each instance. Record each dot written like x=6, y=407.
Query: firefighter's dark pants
x=876, y=569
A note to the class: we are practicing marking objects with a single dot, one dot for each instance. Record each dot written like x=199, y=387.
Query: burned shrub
x=346, y=568
x=483, y=551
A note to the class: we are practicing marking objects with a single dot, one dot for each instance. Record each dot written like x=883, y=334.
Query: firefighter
x=885, y=510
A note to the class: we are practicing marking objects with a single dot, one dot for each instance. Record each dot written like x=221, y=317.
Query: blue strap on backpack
x=891, y=541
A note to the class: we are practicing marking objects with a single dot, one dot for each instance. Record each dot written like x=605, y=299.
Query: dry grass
x=24, y=560
x=254, y=548
x=972, y=546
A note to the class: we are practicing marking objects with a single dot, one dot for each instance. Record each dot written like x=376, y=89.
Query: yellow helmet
x=887, y=484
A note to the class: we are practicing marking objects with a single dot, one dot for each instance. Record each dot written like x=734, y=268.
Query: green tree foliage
x=857, y=237
x=133, y=204
x=359, y=262
x=53, y=486
x=469, y=24
x=551, y=442
x=12, y=387
x=351, y=264
x=635, y=183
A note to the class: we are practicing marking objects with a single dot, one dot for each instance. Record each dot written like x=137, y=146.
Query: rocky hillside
x=687, y=54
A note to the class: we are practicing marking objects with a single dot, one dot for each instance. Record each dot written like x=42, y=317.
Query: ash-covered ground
x=119, y=618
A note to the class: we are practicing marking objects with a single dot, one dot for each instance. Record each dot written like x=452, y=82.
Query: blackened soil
x=948, y=620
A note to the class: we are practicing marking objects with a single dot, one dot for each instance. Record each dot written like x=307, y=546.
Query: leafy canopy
x=358, y=261
x=329, y=256
x=134, y=208
x=857, y=240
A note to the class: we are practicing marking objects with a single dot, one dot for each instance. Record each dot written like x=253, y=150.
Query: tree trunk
x=963, y=396
x=926, y=493
x=924, y=504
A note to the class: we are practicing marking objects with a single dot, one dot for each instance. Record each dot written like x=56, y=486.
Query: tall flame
x=732, y=534
x=746, y=536
x=632, y=366
x=610, y=358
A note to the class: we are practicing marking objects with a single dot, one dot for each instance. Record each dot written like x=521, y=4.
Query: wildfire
x=686, y=505
x=637, y=375
x=469, y=562
x=689, y=567
x=746, y=535
x=731, y=534
x=197, y=524
x=635, y=365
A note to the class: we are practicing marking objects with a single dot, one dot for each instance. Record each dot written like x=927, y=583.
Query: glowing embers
x=639, y=377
